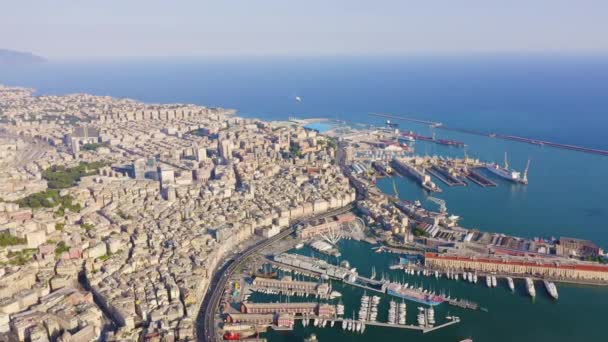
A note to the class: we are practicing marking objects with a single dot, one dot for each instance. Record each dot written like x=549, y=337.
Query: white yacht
x=511, y=283
x=551, y=288
x=530, y=287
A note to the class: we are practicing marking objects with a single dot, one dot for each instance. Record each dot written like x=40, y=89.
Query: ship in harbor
x=551, y=289
x=417, y=296
x=511, y=283
x=506, y=173
x=530, y=287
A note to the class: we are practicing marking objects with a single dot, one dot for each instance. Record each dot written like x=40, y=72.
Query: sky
x=153, y=28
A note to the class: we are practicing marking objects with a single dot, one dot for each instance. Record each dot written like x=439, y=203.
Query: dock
x=420, y=121
x=423, y=329
x=444, y=176
x=463, y=304
x=480, y=180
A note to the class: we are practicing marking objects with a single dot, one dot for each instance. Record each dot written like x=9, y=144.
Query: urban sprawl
x=126, y=221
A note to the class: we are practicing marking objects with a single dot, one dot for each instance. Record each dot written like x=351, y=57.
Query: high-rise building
x=225, y=149
x=345, y=154
x=166, y=176
x=200, y=153
x=74, y=145
x=139, y=168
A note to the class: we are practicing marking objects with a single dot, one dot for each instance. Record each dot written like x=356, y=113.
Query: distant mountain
x=17, y=57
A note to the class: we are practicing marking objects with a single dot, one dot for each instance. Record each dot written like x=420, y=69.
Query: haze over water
x=558, y=99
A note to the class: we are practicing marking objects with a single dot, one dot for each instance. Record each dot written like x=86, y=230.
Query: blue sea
x=561, y=99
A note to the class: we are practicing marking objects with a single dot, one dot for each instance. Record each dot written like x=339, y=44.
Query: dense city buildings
x=115, y=213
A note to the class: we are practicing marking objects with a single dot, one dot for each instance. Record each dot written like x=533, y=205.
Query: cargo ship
x=508, y=174
x=417, y=296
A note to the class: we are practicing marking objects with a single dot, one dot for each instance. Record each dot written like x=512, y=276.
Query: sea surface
x=562, y=99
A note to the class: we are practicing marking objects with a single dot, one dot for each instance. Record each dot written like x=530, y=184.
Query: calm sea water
x=558, y=99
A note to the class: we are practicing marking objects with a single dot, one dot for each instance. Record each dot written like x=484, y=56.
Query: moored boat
x=551, y=289
x=530, y=287
x=511, y=284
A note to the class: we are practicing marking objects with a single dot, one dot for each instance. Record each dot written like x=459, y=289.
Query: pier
x=444, y=176
x=420, y=121
x=480, y=180
x=423, y=329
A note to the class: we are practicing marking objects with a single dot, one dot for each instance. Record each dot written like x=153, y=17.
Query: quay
x=463, y=304
x=423, y=329
x=352, y=278
x=404, y=168
x=359, y=281
x=480, y=180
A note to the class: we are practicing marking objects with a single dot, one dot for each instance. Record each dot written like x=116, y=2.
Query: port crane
x=442, y=208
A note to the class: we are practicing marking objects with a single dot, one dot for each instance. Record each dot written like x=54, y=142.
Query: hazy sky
x=127, y=28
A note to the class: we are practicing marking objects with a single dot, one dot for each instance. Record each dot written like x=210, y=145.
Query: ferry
x=530, y=287
x=417, y=296
x=508, y=174
x=511, y=284
x=551, y=288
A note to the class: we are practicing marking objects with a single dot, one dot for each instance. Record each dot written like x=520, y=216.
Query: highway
x=206, y=329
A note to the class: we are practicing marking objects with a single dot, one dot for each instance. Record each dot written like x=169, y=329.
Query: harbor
x=447, y=273
x=538, y=142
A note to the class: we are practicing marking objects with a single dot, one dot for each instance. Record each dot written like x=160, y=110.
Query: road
x=206, y=329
